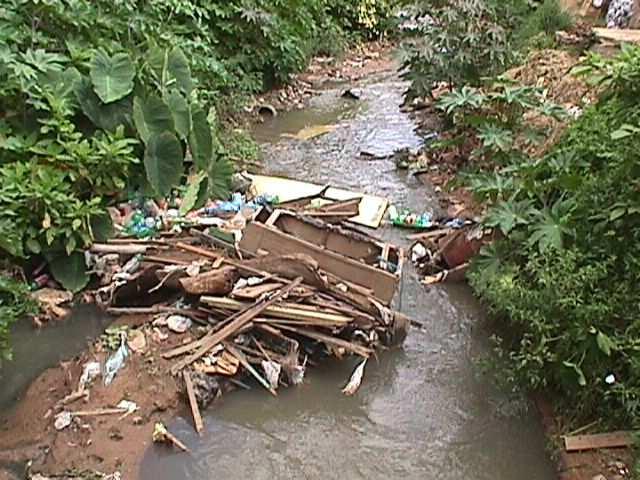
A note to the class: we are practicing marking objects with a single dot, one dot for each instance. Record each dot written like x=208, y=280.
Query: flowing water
x=424, y=411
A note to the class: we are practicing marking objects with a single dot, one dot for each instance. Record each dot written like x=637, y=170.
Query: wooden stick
x=166, y=261
x=199, y=251
x=227, y=331
x=193, y=403
x=352, y=347
x=98, y=412
x=245, y=363
x=122, y=249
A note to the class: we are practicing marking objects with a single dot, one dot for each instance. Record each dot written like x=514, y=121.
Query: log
x=232, y=328
x=216, y=282
x=193, y=403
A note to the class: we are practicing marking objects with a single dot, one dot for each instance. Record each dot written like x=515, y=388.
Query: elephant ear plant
x=85, y=133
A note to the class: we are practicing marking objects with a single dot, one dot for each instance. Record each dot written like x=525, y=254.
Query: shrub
x=566, y=274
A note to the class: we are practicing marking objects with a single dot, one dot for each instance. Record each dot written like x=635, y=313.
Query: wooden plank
x=232, y=328
x=599, y=440
x=627, y=35
x=383, y=284
x=193, y=403
x=289, y=311
x=245, y=363
x=371, y=209
x=328, y=339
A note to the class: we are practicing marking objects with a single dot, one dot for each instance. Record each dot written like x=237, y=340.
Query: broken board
x=619, y=439
x=372, y=208
x=267, y=238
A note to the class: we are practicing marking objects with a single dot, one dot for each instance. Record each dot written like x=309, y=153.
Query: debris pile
x=444, y=254
x=256, y=305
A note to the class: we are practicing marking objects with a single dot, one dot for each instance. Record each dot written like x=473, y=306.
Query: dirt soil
x=107, y=443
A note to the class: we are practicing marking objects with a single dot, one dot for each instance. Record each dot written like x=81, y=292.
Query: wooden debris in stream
x=267, y=311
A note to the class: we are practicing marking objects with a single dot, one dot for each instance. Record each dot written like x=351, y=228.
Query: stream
x=424, y=411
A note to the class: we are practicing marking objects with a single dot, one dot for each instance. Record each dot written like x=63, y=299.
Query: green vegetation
x=563, y=277
x=461, y=42
x=102, y=100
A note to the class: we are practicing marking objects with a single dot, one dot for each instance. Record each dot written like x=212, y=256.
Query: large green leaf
x=180, y=112
x=112, y=76
x=193, y=193
x=151, y=117
x=200, y=139
x=171, y=68
x=102, y=227
x=220, y=173
x=70, y=271
x=163, y=161
x=107, y=116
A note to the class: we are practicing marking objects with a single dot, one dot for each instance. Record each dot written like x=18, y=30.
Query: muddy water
x=35, y=351
x=423, y=411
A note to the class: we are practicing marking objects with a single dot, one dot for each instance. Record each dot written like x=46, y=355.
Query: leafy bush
x=565, y=277
x=460, y=42
x=545, y=20
x=100, y=98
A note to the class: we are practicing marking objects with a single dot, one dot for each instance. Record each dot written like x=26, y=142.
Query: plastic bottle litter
x=455, y=223
x=90, y=371
x=409, y=219
x=141, y=226
x=116, y=361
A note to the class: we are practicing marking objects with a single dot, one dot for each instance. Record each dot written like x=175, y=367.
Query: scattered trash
x=272, y=371
x=178, y=323
x=352, y=93
x=356, y=379
x=116, y=361
x=62, y=420
x=90, y=372
x=162, y=435
x=408, y=219
x=128, y=406
x=610, y=379
x=137, y=341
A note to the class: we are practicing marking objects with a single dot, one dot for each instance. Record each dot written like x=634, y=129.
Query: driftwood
x=329, y=340
x=217, y=282
x=232, y=328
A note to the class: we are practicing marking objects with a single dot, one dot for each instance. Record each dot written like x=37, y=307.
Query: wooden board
x=599, y=440
x=618, y=34
x=262, y=237
x=372, y=208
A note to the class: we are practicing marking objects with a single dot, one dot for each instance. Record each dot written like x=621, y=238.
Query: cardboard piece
x=372, y=208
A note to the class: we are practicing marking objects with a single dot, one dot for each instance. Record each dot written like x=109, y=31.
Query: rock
x=63, y=420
